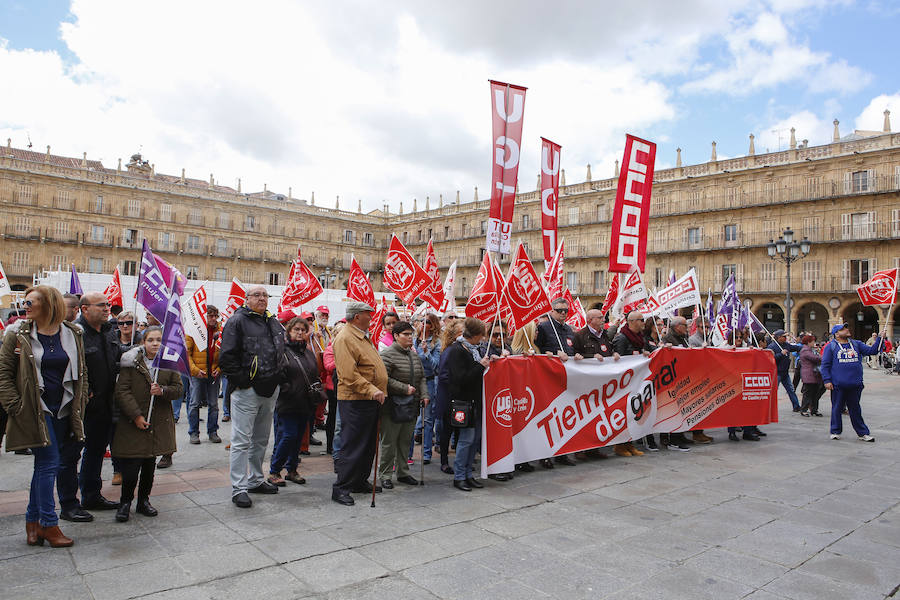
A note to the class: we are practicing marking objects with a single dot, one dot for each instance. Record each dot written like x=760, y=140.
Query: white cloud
x=775, y=136
x=872, y=116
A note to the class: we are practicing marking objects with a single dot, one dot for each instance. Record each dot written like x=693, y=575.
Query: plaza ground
x=793, y=516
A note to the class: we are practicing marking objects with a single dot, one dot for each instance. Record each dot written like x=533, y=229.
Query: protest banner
x=537, y=407
x=434, y=294
x=631, y=212
x=507, y=109
x=193, y=317
x=113, y=291
x=549, y=196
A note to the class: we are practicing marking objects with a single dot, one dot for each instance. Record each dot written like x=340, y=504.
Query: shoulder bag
x=405, y=409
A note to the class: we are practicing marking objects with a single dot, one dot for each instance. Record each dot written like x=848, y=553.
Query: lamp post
x=786, y=250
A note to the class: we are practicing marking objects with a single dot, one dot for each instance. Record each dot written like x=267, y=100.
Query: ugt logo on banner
x=631, y=214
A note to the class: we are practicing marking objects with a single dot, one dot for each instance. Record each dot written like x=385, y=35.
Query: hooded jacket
x=842, y=363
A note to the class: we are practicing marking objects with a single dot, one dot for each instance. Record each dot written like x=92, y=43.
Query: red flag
x=880, y=289
x=526, y=296
x=553, y=276
x=113, y=291
x=549, y=196
x=434, y=295
x=375, y=326
x=302, y=287
x=483, y=301
x=236, y=298
x=631, y=214
x=577, y=317
x=403, y=275
x=505, y=310
x=611, y=295
x=632, y=295
x=507, y=109
x=695, y=321
x=358, y=286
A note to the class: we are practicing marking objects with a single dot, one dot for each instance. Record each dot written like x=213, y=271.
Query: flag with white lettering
x=680, y=293
x=302, y=287
x=632, y=294
x=358, y=286
x=193, y=314
x=631, y=213
x=434, y=294
x=553, y=276
x=5, y=288
x=152, y=292
x=612, y=294
x=172, y=354
x=577, y=318
x=113, y=291
x=236, y=298
x=449, y=303
x=524, y=292
x=549, y=196
x=402, y=274
x=507, y=109
x=484, y=299
x=881, y=289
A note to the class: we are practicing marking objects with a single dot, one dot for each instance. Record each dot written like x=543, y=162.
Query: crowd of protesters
x=77, y=384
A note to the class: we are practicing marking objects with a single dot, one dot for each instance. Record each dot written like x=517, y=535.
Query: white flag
x=5, y=288
x=193, y=317
x=683, y=292
x=449, y=303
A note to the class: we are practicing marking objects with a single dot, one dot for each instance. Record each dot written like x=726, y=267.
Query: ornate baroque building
x=717, y=217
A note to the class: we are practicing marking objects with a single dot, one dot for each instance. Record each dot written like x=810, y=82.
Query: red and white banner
x=538, y=407
x=524, y=292
x=612, y=294
x=880, y=289
x=484, y=300
x=553, y=276
x=631, y=214
x=113, y=291
x=376, y=328
x=193, y=317
x=449, y=303
x=5, y=288
x=577, y=318
x=358, y=285
x=434, y=294
x=720, y=331
x=505, y=310
x=402, y=274
x=683, y=292
x=549, y=196
x=237, y=295
x=507, y=109
x=302, y=286
x=632, y=294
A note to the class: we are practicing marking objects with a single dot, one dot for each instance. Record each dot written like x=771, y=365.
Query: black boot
x=144, y=507
x=124, y=512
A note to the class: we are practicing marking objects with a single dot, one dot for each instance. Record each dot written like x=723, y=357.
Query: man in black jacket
x=101, y=355
x=252, y=358
x=593, y=340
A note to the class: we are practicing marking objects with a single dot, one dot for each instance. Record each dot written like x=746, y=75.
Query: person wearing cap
x=321, y=326
x=782, y=349
x=362, y=384
x=842, y=373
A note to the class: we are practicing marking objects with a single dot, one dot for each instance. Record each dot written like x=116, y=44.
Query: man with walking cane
x=362, y=383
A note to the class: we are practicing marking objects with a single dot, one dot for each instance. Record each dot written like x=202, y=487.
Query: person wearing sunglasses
x=128, y=337
x=556, y=338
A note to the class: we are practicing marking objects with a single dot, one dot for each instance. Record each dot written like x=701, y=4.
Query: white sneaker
x=866, y=438
x=835, y=436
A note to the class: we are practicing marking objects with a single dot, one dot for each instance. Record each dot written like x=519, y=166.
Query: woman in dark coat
x=813, y=386
x=139, y=439
x=295, y=402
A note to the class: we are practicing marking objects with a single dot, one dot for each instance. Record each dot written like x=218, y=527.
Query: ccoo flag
x=172, y=354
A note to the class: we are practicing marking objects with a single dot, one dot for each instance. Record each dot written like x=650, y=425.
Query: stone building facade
x=716, y=216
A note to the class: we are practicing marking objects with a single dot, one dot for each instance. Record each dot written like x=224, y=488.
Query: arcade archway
x=771, y=315
x=863, y=320
x=813, y=317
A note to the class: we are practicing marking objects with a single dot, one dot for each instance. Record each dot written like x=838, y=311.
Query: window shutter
x=845, y=274
x=871, y=183
x=846, y=229
x=871, y=223
x=847, y=182
x=717, y=278
x=739, y=278
x=895, y=222
x=873, y=266
x=702, y=239
x=897, y=177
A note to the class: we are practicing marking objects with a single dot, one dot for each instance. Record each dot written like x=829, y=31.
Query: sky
x=388, y=101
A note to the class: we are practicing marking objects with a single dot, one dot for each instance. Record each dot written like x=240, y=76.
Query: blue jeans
x=185, y=397
x=226, y=397
x=468, y=442
x=289, y=430
x=789, y=386
x=336, y=443
x=203, y=388
x=849, y=397
x=41, y=505
x=428, y=431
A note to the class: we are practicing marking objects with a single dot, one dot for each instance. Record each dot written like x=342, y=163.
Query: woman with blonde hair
x=523, y=339
x=43, y=387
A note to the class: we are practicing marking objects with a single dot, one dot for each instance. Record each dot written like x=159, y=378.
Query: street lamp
x=786, y=250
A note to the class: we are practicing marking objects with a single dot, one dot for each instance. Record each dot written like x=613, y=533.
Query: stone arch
x=812, y=316
x=863, y=320
x=771, y=315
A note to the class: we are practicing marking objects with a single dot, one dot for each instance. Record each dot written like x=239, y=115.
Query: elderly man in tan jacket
x=362, y=383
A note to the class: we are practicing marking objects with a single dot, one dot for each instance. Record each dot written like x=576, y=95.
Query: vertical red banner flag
x=507, y=109
x=434, y=295
x=402, y=274
x=549, y=196
x=631, y=214
x=358, y=286
x=524, y=292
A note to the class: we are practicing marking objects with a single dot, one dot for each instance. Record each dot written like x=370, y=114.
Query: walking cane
x=422, y=471
x=375, y=465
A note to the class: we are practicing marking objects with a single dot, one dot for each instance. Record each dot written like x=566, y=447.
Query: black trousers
x=98, y=428
x=811, y=394
x=137, y=472
x=359, y=424
x=330, y=420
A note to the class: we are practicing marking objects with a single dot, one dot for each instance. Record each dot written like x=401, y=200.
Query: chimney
x=211, y=181
x=588, y=176
x=359, y=205
x=476, y=195
x=182, y=179
x=238, y=188
x=427, y=203
x=84, y=161
x=752, y=150
x=48, y=154
x=337, y=203
x=837, y=134
x=312, y=199
x=119, y=168
x=415, y=205
x=401, y=207
x=265, y=188
x=616, y=172
x=712, y=156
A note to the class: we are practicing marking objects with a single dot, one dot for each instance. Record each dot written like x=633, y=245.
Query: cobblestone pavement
x=793, y=516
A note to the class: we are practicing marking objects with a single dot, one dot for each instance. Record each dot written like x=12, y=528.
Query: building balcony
x=105, y=240
x=61, y=238
x=18, y=232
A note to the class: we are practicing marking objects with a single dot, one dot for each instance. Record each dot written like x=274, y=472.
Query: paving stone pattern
x=793, y=516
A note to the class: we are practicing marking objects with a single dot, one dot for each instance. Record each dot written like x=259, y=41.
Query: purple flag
x=744, y=318
x=172, y=354
x=75, y=283
x=755, y=325
x=152, y=292
x=710, y=307
x=730, y=303
x=172, y=277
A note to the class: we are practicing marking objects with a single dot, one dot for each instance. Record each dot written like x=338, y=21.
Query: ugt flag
x=113, y=291
x=433, y=295
x=524, y=292
x=172, y=354
x=880, y=289
x=403, y=275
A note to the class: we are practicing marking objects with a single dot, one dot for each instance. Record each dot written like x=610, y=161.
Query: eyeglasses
x=126, y=323
x=497, y=334
x=101, y=304
x=562, y=311
x=258, y=295
x=637, y=319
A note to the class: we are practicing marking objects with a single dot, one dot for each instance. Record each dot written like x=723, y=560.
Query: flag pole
x=702, y=321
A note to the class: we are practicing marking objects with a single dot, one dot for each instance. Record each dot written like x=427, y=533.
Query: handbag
x=462, y=413
x=314, y=389
x=404, y=409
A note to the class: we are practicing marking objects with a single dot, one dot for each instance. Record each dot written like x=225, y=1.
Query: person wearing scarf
x=630, y=340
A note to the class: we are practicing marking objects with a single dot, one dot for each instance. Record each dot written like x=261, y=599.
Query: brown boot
x=32, y=534
x=622, y=450
x=55, y=537
x=634, y=451
x=701, y=438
